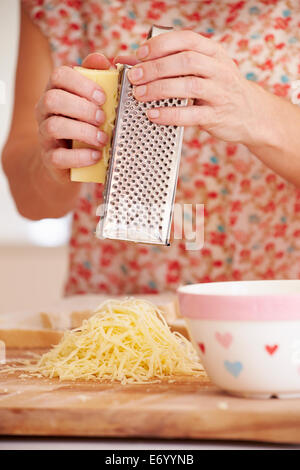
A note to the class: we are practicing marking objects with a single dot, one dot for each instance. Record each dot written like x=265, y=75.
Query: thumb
x=96, y=60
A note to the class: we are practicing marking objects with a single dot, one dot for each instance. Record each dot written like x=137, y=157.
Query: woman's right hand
x=70, y=109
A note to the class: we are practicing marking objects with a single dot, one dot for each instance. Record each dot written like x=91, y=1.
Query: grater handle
x=155, y=30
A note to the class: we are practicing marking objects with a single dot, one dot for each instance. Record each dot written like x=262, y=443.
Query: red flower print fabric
x=252, y=216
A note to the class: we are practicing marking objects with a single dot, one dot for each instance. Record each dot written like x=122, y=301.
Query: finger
x=182, y=116
x=71, y=80
x=125, y=59
x=61, y=158
x=177, y=41
x=96, y=60
x=67, y=104
x=57, y=127
x=183, y=87
x=184, y=63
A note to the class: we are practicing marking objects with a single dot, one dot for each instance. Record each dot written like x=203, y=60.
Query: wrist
x=58, y=195
x=265, y=121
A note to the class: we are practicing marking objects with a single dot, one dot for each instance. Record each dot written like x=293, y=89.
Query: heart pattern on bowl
x=234, y=368
x=271, y=349
x=224, y=339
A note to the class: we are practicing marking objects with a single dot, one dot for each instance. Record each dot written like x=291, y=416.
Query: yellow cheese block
x=108, y=80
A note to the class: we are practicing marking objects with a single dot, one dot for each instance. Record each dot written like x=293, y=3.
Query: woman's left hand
x=184, y=64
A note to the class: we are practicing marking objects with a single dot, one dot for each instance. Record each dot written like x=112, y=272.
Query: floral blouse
x=252, y=216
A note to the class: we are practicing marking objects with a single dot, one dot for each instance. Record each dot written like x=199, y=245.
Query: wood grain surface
x=188, y=408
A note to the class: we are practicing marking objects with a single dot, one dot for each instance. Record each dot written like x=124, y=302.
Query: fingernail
x=101, y=137
x=140, y=90
x=142, y=52
x=99, y=97
x=96, y=156
x=153, y=113
x=136, y=73
x=99, y=115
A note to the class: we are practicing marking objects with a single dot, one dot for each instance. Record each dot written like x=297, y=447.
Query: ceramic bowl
x=247, y=334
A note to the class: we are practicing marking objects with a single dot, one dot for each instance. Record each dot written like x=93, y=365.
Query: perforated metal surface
x=142, y=175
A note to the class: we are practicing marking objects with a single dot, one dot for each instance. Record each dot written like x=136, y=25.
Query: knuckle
x=188, y=59
x=55, y=76
x=87, y=132
x=163, y=88
x=192, y=38
x=81, y=157
x=50, y=100
x=51, y=126
x=176, y=113
x=89, y=110
x=76, y=157
x=193, y=86
x=157, y=68
x=55, y=157
x=58, y=74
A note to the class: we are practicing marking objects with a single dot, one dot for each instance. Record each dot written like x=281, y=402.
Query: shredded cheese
x=127, y=341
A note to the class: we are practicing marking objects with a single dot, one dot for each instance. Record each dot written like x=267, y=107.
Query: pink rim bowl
x=247, y=334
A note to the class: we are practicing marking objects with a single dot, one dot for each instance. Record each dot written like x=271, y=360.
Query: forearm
x=276, y=141
x=35, y=193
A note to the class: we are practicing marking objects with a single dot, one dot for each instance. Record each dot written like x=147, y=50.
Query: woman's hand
x=184, y=64
x=70, y=108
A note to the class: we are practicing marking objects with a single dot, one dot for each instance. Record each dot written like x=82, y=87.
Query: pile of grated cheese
x=127, y=341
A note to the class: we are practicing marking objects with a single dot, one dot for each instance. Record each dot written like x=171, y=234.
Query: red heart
x=202, y=347
x=271, y=349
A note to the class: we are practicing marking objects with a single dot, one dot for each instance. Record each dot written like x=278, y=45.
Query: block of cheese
x=108, y=80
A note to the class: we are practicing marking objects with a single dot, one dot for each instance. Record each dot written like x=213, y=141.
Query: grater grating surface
x=142, y=176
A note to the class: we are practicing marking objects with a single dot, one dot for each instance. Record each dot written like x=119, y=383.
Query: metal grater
x=143, y=169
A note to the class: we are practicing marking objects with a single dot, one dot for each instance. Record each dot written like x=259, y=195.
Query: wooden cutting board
x=186, y=409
